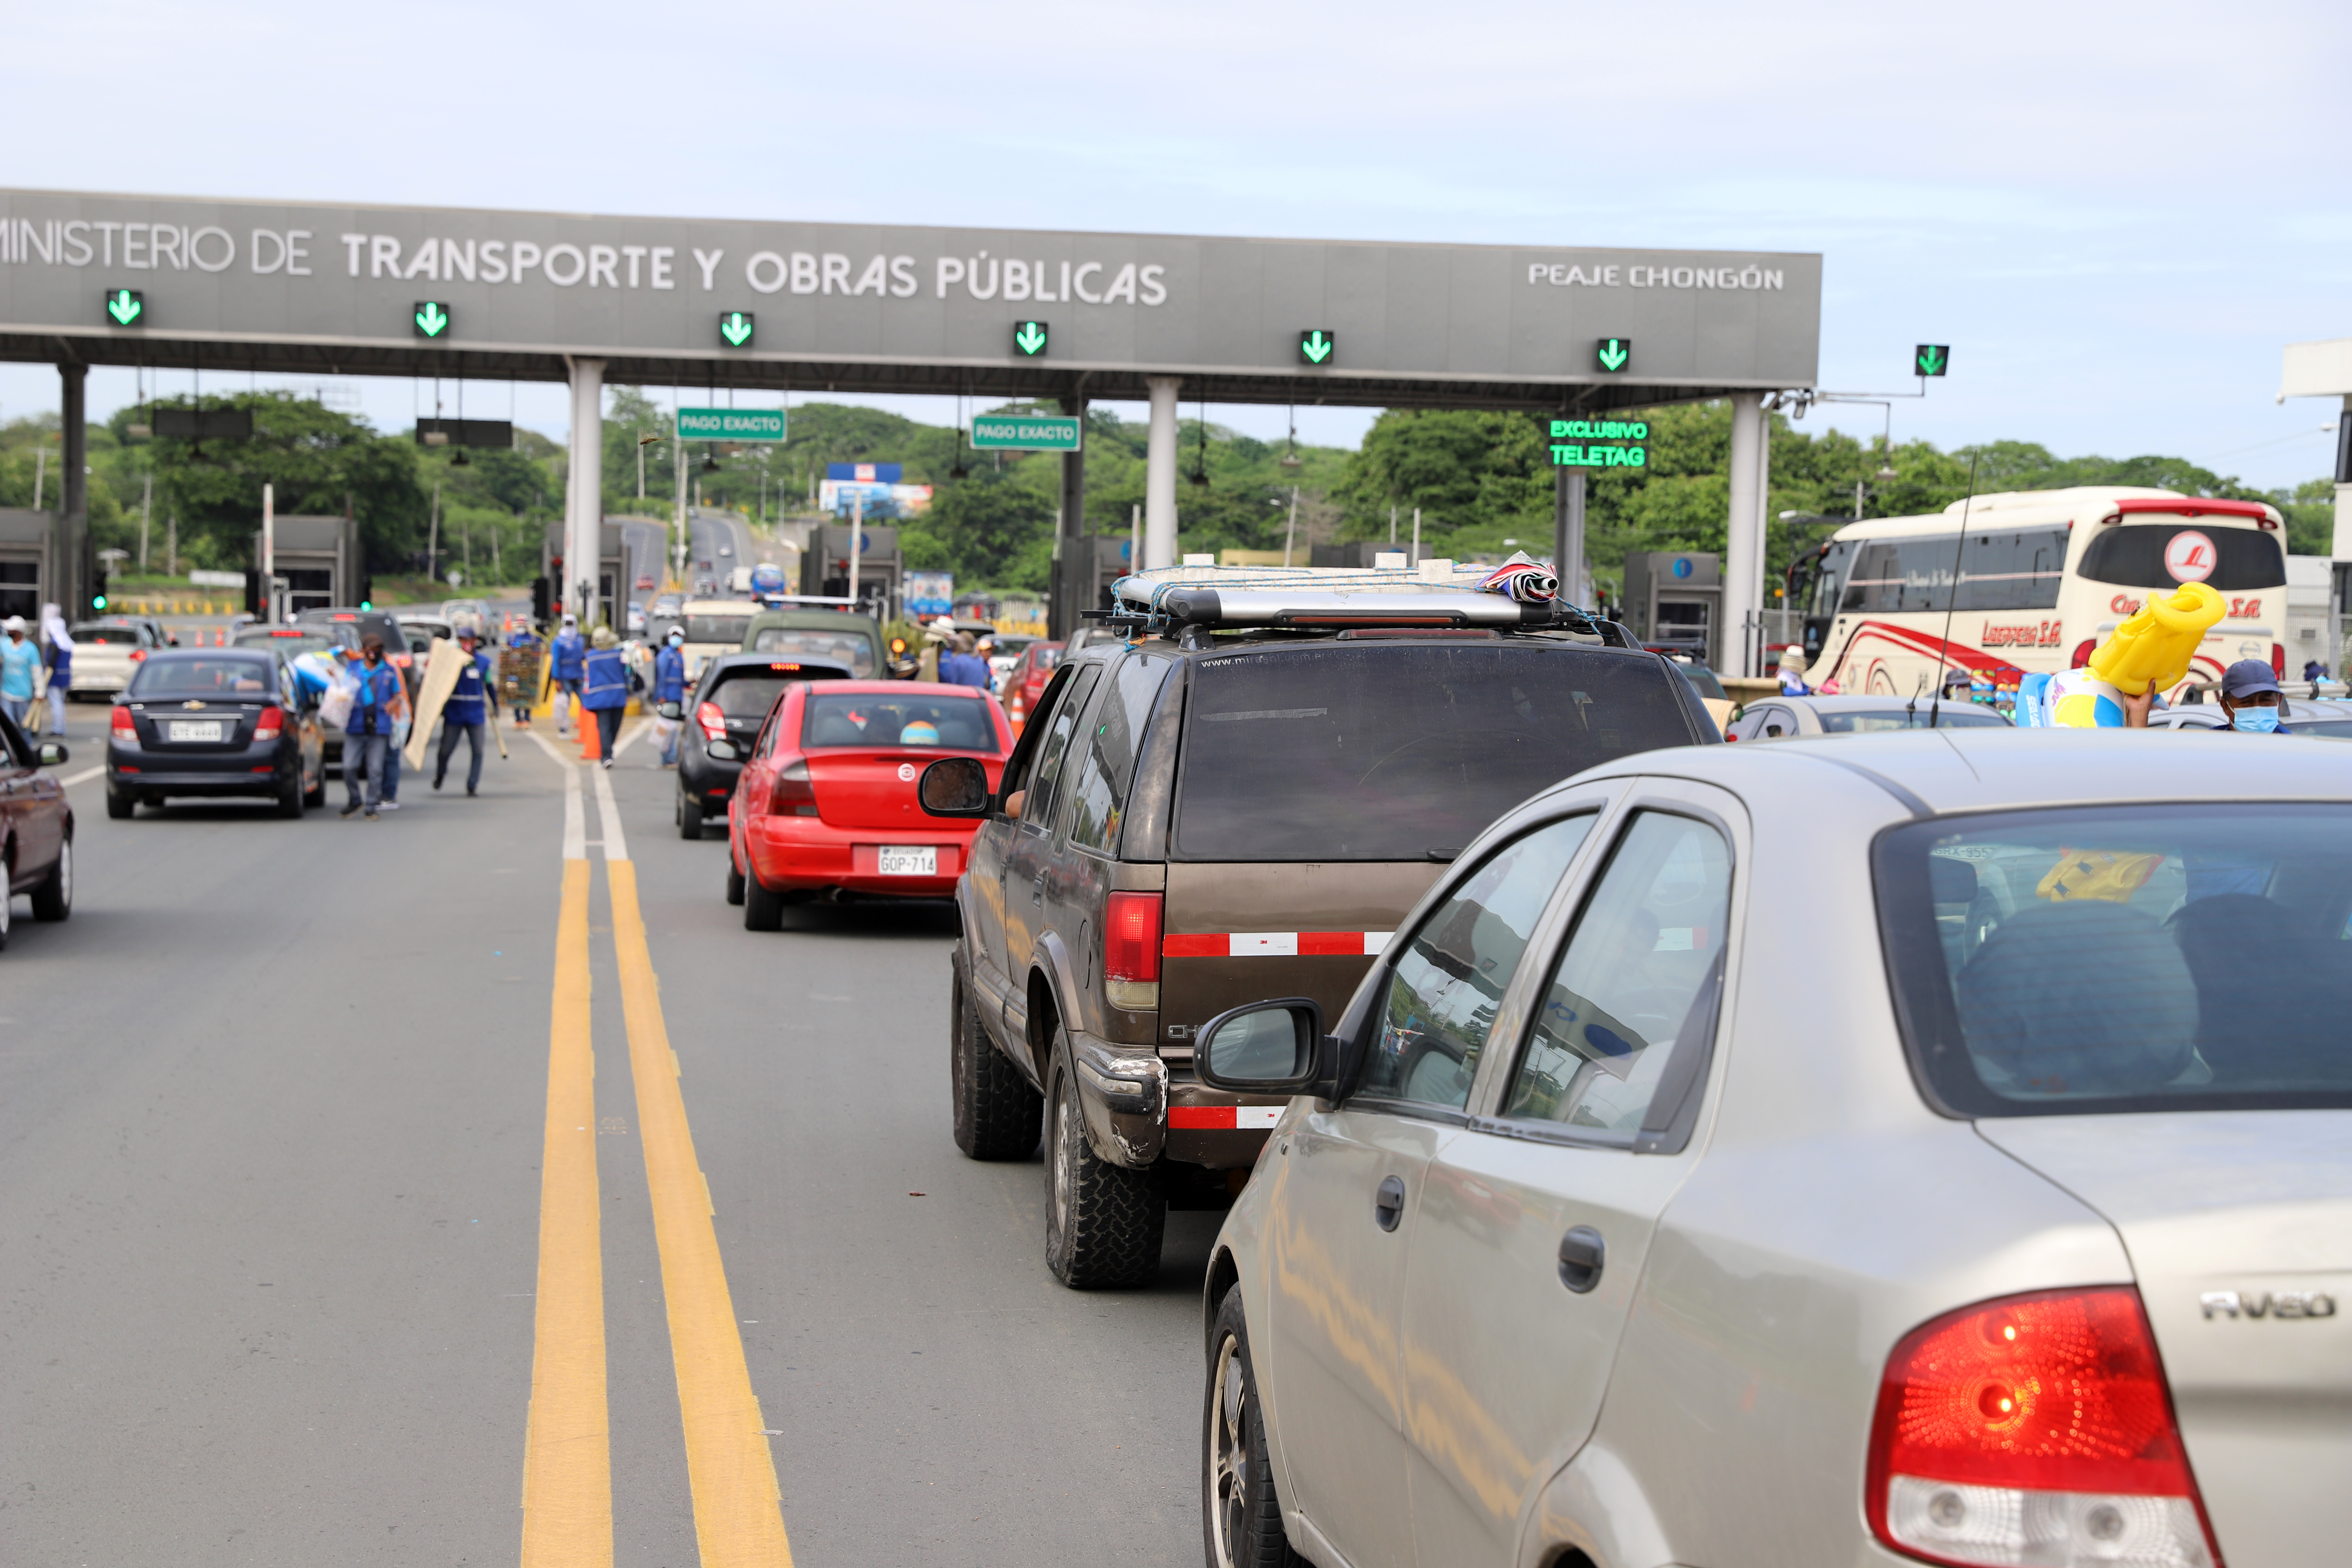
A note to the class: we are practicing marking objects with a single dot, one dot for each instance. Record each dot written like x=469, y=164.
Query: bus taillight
x=2082, y=653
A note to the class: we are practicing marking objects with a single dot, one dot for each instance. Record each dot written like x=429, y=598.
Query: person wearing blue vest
x=570, y=656
x=604, y=689
x=367, y=734
x=669, y=685
x=464, y=711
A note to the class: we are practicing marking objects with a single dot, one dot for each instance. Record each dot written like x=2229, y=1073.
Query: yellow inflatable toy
x=2151, y=649
x=2156, y=642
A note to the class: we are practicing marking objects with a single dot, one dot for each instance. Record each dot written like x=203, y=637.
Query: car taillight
x=713, y=723
x=120, y=725
x=2034, y=1429
x=268, y=727
x=2278, y=661
x=138, y=655
x=792, y=794
x=2083, y=652
x=1132, y=951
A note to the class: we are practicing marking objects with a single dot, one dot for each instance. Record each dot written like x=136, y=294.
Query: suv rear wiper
x=1442, y=856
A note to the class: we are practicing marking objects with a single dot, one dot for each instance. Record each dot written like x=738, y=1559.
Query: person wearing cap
x=20, y=662
x=570, y=655
x=2251, y=701
x=59, y=659
x=367, y=733
x=963, y=666
x=604, y=689
x=1792, y=673
x=938, y=638
x=669, y=685
x=466, y=710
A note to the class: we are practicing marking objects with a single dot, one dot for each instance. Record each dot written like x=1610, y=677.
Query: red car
x=826, y=803
x=1026, y=680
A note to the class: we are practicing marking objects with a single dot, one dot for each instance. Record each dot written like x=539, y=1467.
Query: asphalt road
x=278, y=1168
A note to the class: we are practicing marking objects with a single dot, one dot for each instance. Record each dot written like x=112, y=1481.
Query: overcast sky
x=2116, y=214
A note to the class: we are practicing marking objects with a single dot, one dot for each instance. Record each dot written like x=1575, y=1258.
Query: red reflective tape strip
x=1274, y=944
x=1201, y=1116
x=1348, y=942
x=1173, y=946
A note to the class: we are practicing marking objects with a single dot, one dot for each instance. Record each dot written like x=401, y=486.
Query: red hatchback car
x=826, y=803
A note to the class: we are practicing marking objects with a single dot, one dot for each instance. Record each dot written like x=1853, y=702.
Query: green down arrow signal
x=1030, y=337
x=1933, y=357
x=1317, y=346
x=1615, y=353
x=124, y=306
x=735, y=328
x=431, y=319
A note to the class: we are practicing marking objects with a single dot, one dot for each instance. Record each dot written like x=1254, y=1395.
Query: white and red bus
x=2037, y=581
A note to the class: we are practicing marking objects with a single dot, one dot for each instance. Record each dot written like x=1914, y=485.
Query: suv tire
x=121, y=806
x=53, y=899
x=1103, y=1223
x=762, y=911
x=1240, y=1516
x=689, y=818
x=997, y=1114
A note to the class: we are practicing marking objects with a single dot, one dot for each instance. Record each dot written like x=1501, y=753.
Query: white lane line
x=575, y=813
x=629, y=738
x=82, y=777
x=608, y=813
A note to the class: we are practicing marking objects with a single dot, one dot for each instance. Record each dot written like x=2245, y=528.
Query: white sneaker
x=387, y=805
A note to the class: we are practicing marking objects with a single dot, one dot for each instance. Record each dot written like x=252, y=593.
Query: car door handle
x=1581, y=1254
x=1038, y=890
x=1388, y=1202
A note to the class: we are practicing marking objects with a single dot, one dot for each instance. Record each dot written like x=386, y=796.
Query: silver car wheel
x=1228, y=1454
x=1062, y=1157
x=65, y=873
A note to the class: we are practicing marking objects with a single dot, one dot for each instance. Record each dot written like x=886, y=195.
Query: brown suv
x=1195, y=819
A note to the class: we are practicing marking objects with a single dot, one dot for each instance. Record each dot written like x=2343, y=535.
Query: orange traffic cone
x=591, y=733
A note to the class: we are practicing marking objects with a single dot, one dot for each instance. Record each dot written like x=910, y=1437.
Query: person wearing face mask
x=2251, y=701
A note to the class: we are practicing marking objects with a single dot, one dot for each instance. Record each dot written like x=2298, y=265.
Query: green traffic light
x=432, y=317
x=735, y=328
x=1316, y=345
x=1613, y=353
x=1029, y=337
x=1931, y=359
x=124, y=306
x=97, y=601
x=366, y=604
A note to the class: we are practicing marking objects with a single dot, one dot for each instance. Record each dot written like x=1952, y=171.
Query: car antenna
x=1952, y=598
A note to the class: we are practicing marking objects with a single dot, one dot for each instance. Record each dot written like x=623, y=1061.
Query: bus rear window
x=1402, y=751
x=2166, y=554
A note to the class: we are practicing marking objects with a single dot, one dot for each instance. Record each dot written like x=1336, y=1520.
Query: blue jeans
x=364, y=758
x=58, y=705
x=16, y=708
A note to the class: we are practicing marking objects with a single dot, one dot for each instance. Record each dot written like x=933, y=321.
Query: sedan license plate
x=909, y=860
x=190, y=731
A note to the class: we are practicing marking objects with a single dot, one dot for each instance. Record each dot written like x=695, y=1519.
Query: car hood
x=2239, y=1224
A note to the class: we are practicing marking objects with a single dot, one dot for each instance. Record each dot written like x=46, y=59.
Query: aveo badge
x=2267, y=1304
x=906, y=772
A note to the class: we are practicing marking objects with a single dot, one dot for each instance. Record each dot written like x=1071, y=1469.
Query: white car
x=1783, y=718
x=1924, y=1147
x=108, y=653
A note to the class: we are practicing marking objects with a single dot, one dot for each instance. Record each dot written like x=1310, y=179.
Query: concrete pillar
x=1743, y=553
x=1567, y=533
x=2343, y=544
x=73, y=514
x=1074, y=566
x=584, y=492
x=1160, y=475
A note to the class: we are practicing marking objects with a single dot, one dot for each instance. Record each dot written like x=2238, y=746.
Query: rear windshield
x=2114, y=959
x=750, y=693
x=2165, y=555
x=1702, y=679
x=1399, y=751
x=118, y=635
x=217, y=676
x=864, y=719
x=1945, y=716
x=729, y=630
x=848, y=648
x=289, y=642
x=2320, y=729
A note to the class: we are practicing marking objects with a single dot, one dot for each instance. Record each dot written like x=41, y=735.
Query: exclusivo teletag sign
x=1600, y=443
x=337, y=287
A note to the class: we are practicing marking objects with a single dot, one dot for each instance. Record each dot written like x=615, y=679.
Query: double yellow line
x=567, y=1496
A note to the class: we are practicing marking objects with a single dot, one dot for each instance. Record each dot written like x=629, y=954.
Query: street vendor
x=1792, y=673
x=2251, y=701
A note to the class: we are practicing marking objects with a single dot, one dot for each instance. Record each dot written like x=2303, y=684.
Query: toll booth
x=612, y=579
x=320, y=559
x=32, y=568
x=825, y=566
x=1673, y=599
x=1109, y=554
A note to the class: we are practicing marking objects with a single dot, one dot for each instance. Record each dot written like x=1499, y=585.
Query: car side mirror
x=53, y=755
x=724, y=751
x=1265, y=1048
x=954, y=786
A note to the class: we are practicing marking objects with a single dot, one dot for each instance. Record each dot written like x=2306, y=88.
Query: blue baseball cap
x=2247, y=677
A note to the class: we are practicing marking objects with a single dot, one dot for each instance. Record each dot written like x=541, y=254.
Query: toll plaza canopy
x=349, y=289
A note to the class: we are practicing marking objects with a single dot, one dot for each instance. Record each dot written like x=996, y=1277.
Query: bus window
x=1998, y=572
x=2013, y=571
x=2133, y=556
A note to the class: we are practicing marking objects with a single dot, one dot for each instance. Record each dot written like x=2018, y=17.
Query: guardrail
x=170, y=605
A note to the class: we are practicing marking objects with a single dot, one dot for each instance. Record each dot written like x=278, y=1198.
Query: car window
x=1945, y=716
x=1774, y=725
x=749, y=696
x=1098, y=798
x=1635, y=985
x=230, y=676
x=2142, y=555
x=119, y=637
x=1396, y=750
x=728, y=629
x=1037, y=811
x=2125, y=958
x=868, y=719
x=1443, y=987
x=848, y=647
x=13, y=746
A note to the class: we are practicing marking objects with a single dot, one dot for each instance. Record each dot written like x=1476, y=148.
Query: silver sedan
x=1786, y=717
x=1930, y=1147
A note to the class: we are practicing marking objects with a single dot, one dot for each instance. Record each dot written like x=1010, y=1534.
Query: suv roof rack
x=1337, y=598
